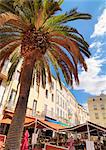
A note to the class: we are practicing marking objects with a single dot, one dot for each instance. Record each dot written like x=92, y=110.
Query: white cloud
x=92, y=81
x=97, y=45
x=100, y=27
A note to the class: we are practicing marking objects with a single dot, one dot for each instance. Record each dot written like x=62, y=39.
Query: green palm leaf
x=15, y=59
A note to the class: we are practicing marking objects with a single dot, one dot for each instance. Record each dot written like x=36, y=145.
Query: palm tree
x=32, y=32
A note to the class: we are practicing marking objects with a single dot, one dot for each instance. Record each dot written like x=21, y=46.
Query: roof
x=82, y=128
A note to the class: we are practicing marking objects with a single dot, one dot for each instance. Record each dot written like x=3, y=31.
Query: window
x=93, y=99
x=2, y=91
x=45, y=108
x=66, y=105
x=57, y=111
x=34, y=107
x=52, y=86
x=63, y=103
x=57, y=99
x=17, y=75
x=12, y=97
x=52, y=111
x=102, y=107
x=60, y=113
x=52, y=97
x=69, y=112
x=96, y=116
x=63, y=115
x=104, y=115
x=46, y=93
x=60, y=101
x=95, y=107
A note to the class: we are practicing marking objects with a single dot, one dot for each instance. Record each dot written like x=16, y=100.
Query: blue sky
x=94, y=81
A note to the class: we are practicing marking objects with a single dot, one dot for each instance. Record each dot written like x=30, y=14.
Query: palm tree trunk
x=14, y=136
x=0, y=81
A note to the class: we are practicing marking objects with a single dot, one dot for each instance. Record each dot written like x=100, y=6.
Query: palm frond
x=66, y=73
x=9, y=28
x=62, y=57
x=71, y=51
x=6, y=6
x=59, y=52
x=15, y=61
x=72, y=47
x=37, y=5
x=46, y=63
x=54, y=62
x=7, y=50
x=64, y=18
x=65, y=29
x=43, y=73
x=4, y=17
x=2, y=62
x=16, y=25
x=60, y=2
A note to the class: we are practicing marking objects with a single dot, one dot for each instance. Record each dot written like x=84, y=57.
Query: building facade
x=51, y=102
x=83, y=114
x=97, y=109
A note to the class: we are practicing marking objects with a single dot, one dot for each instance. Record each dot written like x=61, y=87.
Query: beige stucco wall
x=101, y=112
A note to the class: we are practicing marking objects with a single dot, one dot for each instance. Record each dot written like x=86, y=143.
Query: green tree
x=32, y=32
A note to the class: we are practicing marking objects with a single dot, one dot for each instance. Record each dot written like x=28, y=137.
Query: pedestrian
x=70, y=143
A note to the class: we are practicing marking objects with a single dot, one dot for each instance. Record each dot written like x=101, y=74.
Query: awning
x=50, y=125
x=57, y=122
x=5, y=121
x=30, y=121
x=82, y=128
x=7, y=118
x=41, y=124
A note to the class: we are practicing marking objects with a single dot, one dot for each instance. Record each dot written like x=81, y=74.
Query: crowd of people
x=64, y=141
